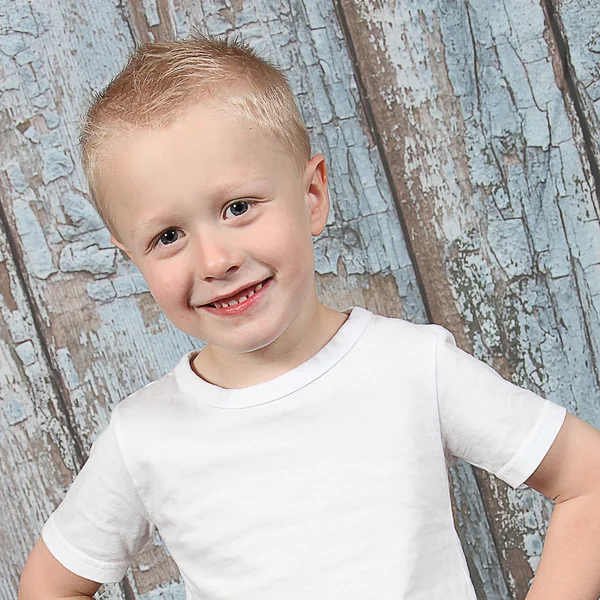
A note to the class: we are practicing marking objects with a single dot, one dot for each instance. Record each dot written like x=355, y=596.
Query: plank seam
x=372, y=124
x=478, y=476
x=55, y=379
x=585, y=319
x=565, y=58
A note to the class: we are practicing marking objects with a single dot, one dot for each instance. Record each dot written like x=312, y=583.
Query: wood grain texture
x=577, y=29
x=489, y=167
x=104, y=335
x=87, y=298
x=37, y=449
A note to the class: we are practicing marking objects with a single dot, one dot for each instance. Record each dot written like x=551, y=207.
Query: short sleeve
x=488, y=421
x=102, y=523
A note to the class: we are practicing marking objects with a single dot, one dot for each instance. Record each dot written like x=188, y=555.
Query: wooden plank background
x=462, y=139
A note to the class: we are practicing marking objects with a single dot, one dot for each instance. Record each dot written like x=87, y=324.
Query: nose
x=216, y=257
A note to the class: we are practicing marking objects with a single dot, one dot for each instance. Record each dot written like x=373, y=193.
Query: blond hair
x=161, y=80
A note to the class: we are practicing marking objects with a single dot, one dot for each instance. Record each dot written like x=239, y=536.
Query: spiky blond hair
x=161, y=80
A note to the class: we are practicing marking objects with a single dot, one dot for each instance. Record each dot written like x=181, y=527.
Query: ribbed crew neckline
x=317, y=365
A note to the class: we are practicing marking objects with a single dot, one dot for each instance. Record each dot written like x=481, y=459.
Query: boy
x=303, y=453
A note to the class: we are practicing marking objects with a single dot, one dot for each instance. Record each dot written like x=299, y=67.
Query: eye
x=239, y=207
x=168, y=237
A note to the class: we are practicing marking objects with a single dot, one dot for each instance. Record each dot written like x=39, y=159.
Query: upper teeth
x=221, y=304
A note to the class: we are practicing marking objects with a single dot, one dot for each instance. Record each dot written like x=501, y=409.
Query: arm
x=569, y=475
x=44, y=578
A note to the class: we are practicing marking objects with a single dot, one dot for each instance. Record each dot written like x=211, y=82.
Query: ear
x=315, y=184
x=120, y=246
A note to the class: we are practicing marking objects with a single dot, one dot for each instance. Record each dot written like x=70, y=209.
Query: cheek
x=166, y=285
x=296, y=260
x=289, y=235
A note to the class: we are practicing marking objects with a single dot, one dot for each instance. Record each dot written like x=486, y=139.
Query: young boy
x=303, y=453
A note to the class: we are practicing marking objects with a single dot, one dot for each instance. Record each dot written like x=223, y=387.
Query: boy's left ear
x=315, y=180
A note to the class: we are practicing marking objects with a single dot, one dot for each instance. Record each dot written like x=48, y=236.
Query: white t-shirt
x=328, y=482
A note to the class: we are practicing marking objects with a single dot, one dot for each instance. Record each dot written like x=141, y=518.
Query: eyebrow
x=231, y=188
x=150, y=225
x=226, y=189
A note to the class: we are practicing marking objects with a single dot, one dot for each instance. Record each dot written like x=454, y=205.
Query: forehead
x=206, y=131
x=204, y=152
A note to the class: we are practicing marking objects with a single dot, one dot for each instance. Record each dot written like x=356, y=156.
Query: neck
x=295, y=346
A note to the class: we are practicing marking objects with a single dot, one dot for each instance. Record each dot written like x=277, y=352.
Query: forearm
x=569, y=567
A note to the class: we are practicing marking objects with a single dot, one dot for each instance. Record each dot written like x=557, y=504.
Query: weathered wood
x=492, y=180
x=65, y=253
x=104, y=334
x=575, y=25
x=38, y=454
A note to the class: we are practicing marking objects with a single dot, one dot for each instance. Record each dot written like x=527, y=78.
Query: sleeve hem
x=76, y=561
x=535, y=447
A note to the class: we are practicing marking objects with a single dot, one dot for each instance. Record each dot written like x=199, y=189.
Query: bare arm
x=44, y=578
x=570, y=475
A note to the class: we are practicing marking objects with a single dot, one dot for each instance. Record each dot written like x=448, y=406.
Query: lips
x=237, y=297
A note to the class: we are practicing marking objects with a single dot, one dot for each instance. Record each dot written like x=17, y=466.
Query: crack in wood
x=564, y=53
x=54, y=374
x=375, y=134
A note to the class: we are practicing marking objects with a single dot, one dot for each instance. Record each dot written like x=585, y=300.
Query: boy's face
x=211, y=205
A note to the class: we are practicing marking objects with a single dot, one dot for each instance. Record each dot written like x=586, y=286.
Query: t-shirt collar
x=287, y=383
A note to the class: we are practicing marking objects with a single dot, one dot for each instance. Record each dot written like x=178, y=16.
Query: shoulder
x=394, y=330
x=149, y=420
x=153, y=403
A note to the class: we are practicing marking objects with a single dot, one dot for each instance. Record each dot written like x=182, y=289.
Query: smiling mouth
x=239, y=297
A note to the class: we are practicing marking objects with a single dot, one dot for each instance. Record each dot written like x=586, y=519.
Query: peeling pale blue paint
x=509, y=245
x=369, y=196
x=580, y=20
x=52, y=119
x=41, y=101
x=81, y=213
x=16, y=178
x=21, y=19
x=533, y=544
x=17, y=327
x=78, y=256
x=26, y=352
x=521, y=224
x=67, y=368
x=55, y=164
x=13, y=409
x=25, y=57
x=322, y=104
x=168, y=591
x=124, y=286
x=10, y=83
x=33, y=241
x=32, y=135
x=151, y=11
x=140, y=283
x=327, y=254
x=101, y=290
x=111, y=591
x=12, y=43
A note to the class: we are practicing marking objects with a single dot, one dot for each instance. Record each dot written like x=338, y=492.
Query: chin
x=245, y=347
x=248, y=341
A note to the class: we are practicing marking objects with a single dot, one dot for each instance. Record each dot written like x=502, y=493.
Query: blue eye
x=170, y=236
x=238, y=208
